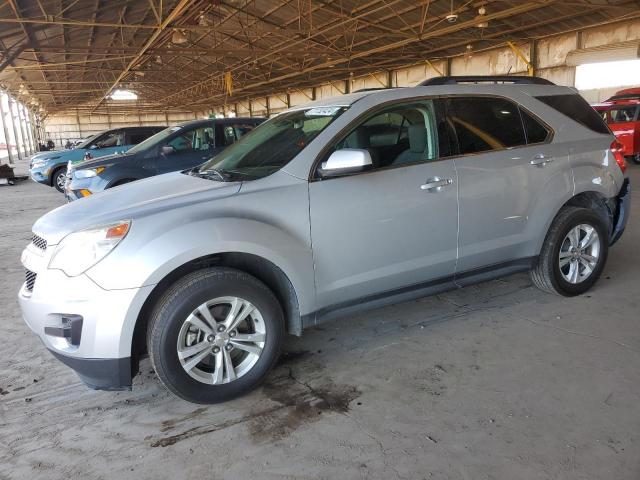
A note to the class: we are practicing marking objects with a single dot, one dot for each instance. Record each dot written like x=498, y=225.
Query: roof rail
x=371, y=89
x=485, y=79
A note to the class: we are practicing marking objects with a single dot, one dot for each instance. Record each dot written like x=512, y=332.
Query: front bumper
x=40, y=175
x=623, y=204
x=76, y=188
x=100, y=349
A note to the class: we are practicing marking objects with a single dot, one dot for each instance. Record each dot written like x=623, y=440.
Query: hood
x=131, y=201
x=98, y=161
x=46, y=155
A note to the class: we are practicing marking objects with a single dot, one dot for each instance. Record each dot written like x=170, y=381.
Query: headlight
x=88, y=172
x=79, y=251
x=38, y=163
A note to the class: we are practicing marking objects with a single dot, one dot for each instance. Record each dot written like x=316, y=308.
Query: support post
x=4, y=128
x=13, y=125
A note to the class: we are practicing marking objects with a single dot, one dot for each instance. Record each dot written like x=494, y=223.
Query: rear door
x=386, y=231
x=505, y=162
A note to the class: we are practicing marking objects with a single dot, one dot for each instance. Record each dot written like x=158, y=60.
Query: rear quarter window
x=576, y=108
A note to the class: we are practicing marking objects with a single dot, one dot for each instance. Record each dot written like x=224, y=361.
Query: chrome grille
x=39, y=242
x=30, y=279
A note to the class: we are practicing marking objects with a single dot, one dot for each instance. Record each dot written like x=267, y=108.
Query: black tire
x=59, y=172
x=635, y=158
x=546, y=274
x=180, y=300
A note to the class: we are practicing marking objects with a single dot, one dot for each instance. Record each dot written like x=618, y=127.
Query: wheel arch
x=54, y=171
x=590, y=199
x=259, y=267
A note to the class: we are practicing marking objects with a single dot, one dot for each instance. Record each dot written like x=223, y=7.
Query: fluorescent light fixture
x=608, y=74
x=123, y=95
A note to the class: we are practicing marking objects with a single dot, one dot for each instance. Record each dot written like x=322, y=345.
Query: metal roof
x=66, y=54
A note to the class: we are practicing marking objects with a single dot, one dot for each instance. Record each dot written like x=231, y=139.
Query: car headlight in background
x=79, y=251
x=38, y=163
x=88, y=172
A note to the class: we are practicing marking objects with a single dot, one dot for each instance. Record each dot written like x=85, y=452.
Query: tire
x=549, y=276
x=59, y=174
x=176, y=324
x=635, y=158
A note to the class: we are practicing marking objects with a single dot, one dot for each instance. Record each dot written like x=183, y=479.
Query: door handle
x=541, y=160
x=435, y=184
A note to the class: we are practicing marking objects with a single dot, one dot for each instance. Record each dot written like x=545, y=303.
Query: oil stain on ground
x=297, y=402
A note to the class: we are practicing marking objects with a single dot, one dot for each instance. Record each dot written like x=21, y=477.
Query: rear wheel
x=215, y=334
x=574, y=253
x=635, y=158
x=59, y=178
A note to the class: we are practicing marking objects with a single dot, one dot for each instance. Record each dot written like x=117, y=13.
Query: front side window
x=485, y=123
x=404, y=133
x=622, y=114
x=197, y=139
x=229, y=133
x=110, y=139
x=155, y=140
x=271, y=145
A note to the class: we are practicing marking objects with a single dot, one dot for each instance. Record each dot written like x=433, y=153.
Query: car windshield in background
x=272, y=145
x=153, y=140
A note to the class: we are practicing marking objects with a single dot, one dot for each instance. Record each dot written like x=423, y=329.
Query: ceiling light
x=452, y=17
x=123, y=95
x=481, y=18
x=179, y=37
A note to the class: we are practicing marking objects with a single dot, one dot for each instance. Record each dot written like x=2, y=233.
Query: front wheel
x=574, y=253
x=214, y=335
x=59, y=179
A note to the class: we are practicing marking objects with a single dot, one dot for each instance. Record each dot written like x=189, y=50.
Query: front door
x=189, y=148
x=391, y=229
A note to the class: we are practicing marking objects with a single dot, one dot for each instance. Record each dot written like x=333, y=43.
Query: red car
x=622, y=114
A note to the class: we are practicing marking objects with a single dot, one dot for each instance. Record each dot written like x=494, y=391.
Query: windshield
x=272, y=145
x=85, y=143
x=153, y=140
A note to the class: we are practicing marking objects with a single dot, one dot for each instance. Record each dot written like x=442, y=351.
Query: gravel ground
x=494, y=381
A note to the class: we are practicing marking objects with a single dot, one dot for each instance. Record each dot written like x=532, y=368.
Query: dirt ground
x=494, y=381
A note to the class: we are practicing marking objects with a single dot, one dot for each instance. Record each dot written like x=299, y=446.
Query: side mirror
x=94, y=147
x=167, y=150
x=346, y=161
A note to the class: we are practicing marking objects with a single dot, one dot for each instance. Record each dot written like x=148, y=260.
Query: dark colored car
x=175, y=148
x=49, y=168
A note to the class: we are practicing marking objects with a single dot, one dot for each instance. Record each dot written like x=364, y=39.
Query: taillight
x=616, y=149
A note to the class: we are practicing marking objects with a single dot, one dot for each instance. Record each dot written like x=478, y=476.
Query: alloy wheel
x=221, y=340
x=579, y=253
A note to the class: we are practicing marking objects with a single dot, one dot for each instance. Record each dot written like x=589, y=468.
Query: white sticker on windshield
x=321, y=111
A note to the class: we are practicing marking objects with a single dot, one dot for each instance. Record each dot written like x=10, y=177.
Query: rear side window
x=485, y=123
x=536, y=131
x=576, y=108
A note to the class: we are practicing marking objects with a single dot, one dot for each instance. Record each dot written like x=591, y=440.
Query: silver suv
x=326, y=209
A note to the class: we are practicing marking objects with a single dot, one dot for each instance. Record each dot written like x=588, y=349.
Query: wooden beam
x=171, y=17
